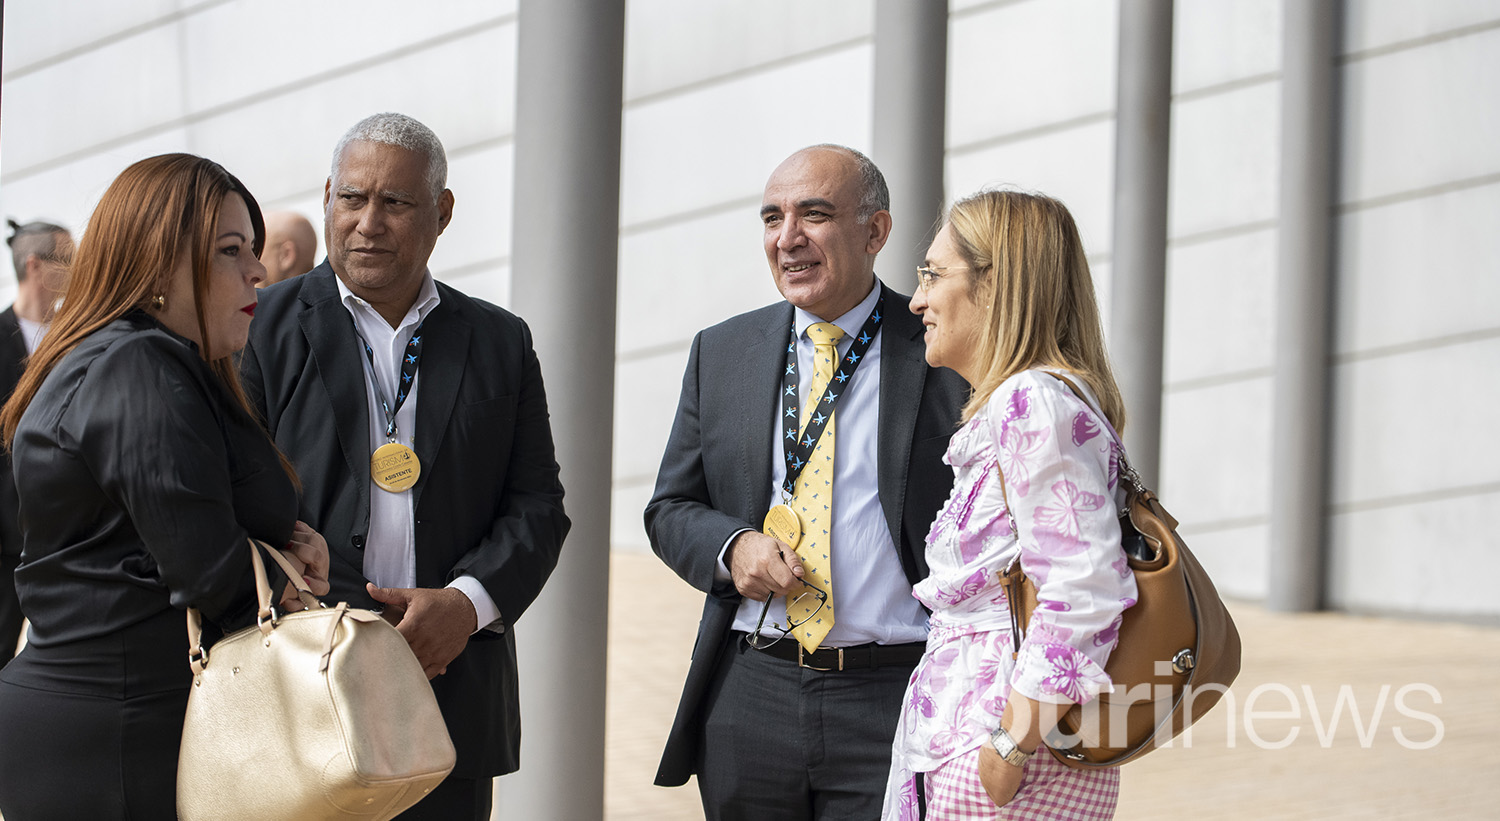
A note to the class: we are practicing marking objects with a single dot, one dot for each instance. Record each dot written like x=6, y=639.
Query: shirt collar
x=849, y=323
x=427, y=299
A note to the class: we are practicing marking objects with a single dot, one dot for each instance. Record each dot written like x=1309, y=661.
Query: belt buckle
x=802, y=662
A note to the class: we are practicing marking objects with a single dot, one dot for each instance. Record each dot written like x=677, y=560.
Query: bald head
x=291, y=244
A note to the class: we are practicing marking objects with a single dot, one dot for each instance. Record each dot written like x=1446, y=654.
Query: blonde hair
x=1026, y=259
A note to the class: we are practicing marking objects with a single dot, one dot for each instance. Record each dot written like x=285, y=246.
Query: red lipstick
x=249, y=309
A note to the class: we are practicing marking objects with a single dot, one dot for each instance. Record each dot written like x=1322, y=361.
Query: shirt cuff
x=721, y=570
x=488, y=615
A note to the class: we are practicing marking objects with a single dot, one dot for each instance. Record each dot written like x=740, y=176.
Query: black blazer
x=488, y=503
x=12, y=364
x=715, y=476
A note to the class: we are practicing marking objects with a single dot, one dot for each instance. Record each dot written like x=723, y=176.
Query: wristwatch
x=1008, y=749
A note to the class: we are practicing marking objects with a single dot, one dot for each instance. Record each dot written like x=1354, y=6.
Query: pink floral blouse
x=1061, y=464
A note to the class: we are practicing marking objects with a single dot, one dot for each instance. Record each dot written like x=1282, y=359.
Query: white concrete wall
x=1416, y=462
x=265, y=88
x=717, y=93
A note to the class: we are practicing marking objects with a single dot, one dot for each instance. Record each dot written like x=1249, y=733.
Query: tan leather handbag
x=319, y=714
x=1178, y=649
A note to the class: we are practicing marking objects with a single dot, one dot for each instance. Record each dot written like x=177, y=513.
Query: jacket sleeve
x=157, y=449
x=524, y=542
x=685, y=529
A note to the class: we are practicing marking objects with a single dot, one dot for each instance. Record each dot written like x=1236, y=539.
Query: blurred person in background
x=42, y=253
x=1007, y=302
x=291, y=244
x=146, y=474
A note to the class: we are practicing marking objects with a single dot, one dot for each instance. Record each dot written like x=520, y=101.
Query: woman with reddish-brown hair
x=142, y=473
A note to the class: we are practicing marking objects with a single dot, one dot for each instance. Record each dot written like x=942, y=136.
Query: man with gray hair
x=797, y=487
x=416, y=418
x=42, y=253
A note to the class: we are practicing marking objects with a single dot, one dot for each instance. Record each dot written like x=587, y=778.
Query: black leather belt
x=859, y=657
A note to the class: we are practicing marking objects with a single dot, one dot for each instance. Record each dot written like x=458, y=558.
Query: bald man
x=291, y=243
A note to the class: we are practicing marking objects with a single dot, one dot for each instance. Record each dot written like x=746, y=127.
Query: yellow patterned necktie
x=813, y=500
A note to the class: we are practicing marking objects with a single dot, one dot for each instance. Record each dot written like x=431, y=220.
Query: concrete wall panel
x=1023, y=65
x=1220, y=306
x=674, y=43
x=1421, y=117
x=1416, y=422
x=1214, y=42
x=1419, y=270
x=719, y=144
x=1075, y=165
x=1224, y=163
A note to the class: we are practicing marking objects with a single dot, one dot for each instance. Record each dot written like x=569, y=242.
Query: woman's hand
x=308, y=552
x=308, y=547
x=1000, y=780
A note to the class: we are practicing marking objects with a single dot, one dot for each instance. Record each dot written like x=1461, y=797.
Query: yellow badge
x=783, y=523
x=394, y=467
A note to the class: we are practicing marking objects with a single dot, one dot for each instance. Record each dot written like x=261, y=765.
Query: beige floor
x=1343, y=774
x=1350, y=770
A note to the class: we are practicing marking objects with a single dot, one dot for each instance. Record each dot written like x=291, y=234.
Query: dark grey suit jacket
x=715, y=476
x=488, y=503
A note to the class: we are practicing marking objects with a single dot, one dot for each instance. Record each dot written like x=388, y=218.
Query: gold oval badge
x=783, y=523
x=394, y=467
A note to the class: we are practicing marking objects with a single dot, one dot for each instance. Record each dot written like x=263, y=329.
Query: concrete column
x=911, y=86
x=1143, y=119
x=569, y=71
x=1304, y=315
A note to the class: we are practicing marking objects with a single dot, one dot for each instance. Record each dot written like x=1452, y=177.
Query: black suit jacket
x=488, y=502
x=715, y=476
x=12, y=364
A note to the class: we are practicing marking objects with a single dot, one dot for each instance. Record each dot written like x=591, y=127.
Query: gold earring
x=159, y=301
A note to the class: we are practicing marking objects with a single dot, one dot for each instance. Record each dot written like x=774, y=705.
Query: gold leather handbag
x=320, y=714
x=1178, y=649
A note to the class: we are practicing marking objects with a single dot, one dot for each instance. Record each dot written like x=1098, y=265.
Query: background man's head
x=291, y=243
x=826, y=213
x=385, y=203
x=42, y=253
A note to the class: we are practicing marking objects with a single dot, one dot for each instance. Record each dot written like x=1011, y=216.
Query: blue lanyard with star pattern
x=409, y=364
x=796, y=456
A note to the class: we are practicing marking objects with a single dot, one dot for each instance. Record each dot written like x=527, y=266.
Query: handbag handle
x=265, y=616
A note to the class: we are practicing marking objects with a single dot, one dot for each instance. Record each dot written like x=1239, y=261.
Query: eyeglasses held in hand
x=763, y=635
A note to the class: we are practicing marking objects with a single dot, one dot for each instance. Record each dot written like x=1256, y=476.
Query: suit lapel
x=445, y=349
x=761, y=368
x=329, y=330
x=903, y=371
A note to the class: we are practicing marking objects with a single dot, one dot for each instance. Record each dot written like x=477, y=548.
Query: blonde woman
x=1008, y=303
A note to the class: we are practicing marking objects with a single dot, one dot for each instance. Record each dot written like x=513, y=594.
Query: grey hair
x=873, y=193
x=40, y=238
x=401, y=131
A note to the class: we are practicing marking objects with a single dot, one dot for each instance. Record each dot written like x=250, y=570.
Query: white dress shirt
x=872, y=598
x=31, y=333
x=390, y=546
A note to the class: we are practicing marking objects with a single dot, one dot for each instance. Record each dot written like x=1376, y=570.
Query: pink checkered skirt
x=1050, y=790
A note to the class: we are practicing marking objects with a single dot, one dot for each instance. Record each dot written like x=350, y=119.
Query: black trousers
x=67, y=756
x=456, y=799
x=787, y=743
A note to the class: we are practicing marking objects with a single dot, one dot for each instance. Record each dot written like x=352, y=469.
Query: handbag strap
x=1013, y=578
x=265, y=615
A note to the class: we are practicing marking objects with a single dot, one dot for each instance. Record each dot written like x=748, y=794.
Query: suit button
x=359, y=542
